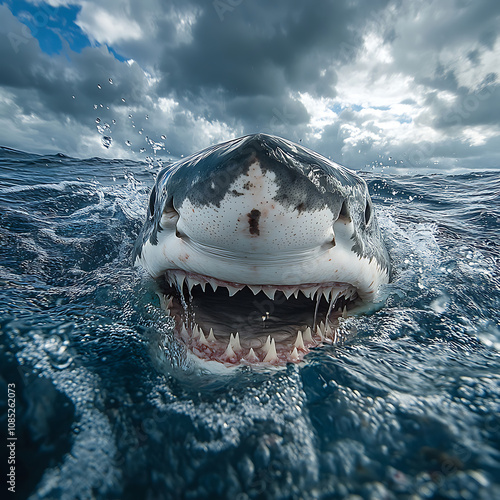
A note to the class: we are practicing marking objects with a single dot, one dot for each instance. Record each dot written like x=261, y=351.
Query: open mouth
x=235, y=323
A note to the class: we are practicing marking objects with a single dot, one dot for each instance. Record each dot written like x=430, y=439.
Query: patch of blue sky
x=337, y=108
x=404, y=119
x=51, y=25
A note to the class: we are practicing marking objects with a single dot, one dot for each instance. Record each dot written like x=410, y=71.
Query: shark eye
x=368, y=212
x=152, y=201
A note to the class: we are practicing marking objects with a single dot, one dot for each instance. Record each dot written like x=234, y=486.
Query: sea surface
x=407, y=408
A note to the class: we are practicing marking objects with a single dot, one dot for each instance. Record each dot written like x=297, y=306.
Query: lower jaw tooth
x=251, y=356
x=202, y=339
x=299, y=343
x=229, y=354
x=211, y=336
x=294, y=355
x=271, y=354
x=308, y=335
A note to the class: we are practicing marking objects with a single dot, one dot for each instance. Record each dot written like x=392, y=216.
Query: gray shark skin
x=262, y=215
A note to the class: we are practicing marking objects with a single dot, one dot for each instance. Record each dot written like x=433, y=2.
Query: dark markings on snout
x=253, y=221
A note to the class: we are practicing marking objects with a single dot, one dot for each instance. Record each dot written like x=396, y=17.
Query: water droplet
x=57, y=352
x=147, y=117
x=98, y=120
x=140, y=132
x=101, y=105
x=106, y=141
x=163, y=137
x=142, y=150
x=128, y=143
x=99, y=86
x=113, y=121
x=123, y=99
x=130, y=116
x=73, y=97
x=110, y=80
x=390, y=158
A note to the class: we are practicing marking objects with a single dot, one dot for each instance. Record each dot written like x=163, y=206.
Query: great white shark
x=259, y=245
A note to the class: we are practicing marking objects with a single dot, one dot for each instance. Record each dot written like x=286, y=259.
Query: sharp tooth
x=326, y=293
x=196, y=331
x=288, y=292
x=213, y=285
x=232, y=290
x=179, y=280
x=229, y=352
x=322, y=326
x=308, y=334
x=267, y=345
x=296, y=293
x=203, y=285
x=299, y=343
x=234, y=340
x=251, y=356
x=294, y=355
x=255, y=289
x=314, y=291
x=211, y=336
x=328, y=330
x=202, y=339
x=271, y=354
x=189, y=283
x=344, y=312
x=270, y=292
x=184, y=332
x=166, y=301
x=319, y=332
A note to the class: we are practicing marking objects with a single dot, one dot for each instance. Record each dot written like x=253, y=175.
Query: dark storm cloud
x=266, y=48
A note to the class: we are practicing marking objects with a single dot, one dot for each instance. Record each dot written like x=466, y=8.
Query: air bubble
x=106, y=141
x=99, y=86
x=95, y=106
x=123, y=99
x=142, y=150
x=98, y=120
x=128, y=143
x=110, y=80
x=163, y=137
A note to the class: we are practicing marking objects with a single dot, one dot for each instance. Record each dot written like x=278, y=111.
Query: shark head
x=259, y=245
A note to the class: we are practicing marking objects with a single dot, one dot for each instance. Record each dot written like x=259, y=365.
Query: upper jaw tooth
x=269, y=291
x=232, y=290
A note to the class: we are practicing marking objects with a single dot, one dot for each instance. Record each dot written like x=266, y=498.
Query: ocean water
x=407, y=408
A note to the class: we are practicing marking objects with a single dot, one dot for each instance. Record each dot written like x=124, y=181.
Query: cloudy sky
x=407, y=83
